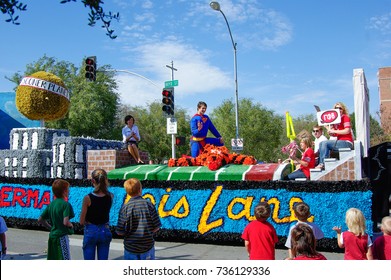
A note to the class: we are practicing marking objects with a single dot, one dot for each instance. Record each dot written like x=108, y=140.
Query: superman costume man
x=200, y=124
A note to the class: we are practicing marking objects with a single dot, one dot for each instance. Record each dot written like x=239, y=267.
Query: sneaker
x=320, y=166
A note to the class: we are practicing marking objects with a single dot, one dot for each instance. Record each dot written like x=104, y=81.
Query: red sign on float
x=328, y=117
x=261, y=172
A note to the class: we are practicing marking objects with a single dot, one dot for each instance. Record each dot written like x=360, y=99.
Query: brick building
x=384, y=76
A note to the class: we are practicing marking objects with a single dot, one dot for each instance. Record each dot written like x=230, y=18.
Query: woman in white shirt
x=131, y=137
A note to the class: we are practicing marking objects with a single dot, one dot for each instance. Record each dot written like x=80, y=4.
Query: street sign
x=237, y=144
x=173, y=83
x=172, y=126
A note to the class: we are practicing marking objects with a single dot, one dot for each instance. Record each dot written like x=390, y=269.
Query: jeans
x=97, y=238
x=296, y=174
x=326, y=146
x=149, y=255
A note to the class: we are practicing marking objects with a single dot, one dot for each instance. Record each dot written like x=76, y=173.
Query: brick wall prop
x=70, y=155
x=111, y=159
x=345, y=171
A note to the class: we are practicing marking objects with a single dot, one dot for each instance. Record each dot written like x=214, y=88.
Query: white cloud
x=147, y=4
x=194, y=73
x=381, y=23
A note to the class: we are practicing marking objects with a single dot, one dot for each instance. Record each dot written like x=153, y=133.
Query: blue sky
x=291, y=54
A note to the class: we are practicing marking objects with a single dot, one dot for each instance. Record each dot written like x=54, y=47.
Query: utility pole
x=173, y=152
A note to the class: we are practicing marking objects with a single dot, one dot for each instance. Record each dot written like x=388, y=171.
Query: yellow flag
x=290, y=131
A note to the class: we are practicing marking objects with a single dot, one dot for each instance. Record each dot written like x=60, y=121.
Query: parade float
x=206, y=201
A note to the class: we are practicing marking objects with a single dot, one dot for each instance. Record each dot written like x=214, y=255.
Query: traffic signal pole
x=173, y=152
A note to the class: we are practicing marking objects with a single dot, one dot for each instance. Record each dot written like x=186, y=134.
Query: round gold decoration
x=42, y=96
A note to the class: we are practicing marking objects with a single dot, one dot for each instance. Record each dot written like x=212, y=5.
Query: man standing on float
x=200, y=124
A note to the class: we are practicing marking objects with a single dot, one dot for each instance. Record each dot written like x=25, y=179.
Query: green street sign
x=172, y=83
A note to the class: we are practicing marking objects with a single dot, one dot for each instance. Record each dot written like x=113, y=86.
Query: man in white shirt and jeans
x=317, y=132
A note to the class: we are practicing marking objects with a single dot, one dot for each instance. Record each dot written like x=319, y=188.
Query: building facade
x=384, y=76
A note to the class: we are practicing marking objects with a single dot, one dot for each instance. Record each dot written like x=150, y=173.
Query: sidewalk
x=31, y=245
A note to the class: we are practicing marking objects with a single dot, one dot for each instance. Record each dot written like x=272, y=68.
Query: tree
x=153, y=129
x=93, y=105
x=376, y=133
x=304, y=122
x=259, y=127
x=95, y=14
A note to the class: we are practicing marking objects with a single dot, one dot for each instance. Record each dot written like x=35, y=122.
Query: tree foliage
x=96, y=13
x=376, y=132
x=260, y=128
x=304, y=123
x=93, y=105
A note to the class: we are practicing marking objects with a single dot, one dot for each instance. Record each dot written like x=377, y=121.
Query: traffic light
x=180, y=140
x=91, y=68
x=168, y=100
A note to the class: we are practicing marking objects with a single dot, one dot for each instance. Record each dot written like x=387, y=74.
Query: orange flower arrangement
x=213, y=157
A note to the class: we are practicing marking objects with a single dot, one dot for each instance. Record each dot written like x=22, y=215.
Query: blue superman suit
x=199, y=139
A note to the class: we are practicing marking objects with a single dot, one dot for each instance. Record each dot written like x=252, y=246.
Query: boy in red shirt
x=259, y=235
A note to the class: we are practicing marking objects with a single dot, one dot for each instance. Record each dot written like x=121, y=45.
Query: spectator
x=137, y=222
x=306, y=162
x=357, y=243
x=200, y=124
x=382, y=244
x=95, y=218
x=58, y=212
x=259, y=235
x=131, y=137
x=317, y=132
x=304, y=244
x=3, y=238
x=302, y=212
x=343, y=132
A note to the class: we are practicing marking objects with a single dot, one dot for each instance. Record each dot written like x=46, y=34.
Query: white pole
x=172, y=135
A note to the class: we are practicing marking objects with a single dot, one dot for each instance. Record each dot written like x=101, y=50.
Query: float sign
x=328, y=117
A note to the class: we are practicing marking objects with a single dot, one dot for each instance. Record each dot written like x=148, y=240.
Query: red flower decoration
x=183, y=161
x=171, y=162
x=213, y=157
x=249, y=160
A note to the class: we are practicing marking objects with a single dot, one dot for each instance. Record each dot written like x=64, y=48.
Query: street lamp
x=216, y=6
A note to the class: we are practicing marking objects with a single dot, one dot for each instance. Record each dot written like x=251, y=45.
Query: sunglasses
x=338, y=108
x=315, y=131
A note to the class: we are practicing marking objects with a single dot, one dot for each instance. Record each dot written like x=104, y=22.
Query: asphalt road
x=31, y=245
